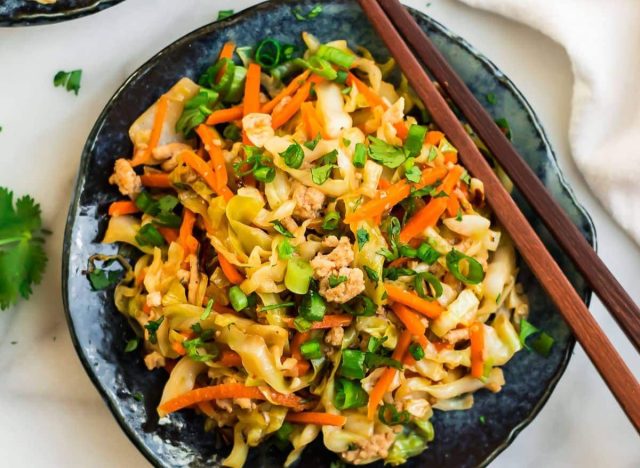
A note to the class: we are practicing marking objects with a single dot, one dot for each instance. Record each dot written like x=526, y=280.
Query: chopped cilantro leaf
x=386, y=154
x=336, y=280
x=413, y=174
x=22, y=255
x=280, y=229
x=285, y=249
x=70, y=80
x=152, y=327
x=222, y=14
x=362, y=236
x=311, y=144
x=371, y=273
x=504, y=126
x=319, y=175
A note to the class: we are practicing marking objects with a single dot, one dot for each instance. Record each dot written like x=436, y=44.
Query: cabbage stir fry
x=313, y=261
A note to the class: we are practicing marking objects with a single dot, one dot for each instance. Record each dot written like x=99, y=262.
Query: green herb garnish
x=69, y=80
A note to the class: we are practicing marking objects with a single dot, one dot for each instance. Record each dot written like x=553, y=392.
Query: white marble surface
x=50, y=413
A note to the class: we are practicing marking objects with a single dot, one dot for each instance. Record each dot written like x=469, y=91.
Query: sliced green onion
x=313, y=143
x=302, y=324
x=360, y=155
x=334, y=55
x=352, y=366
x=285, y=69
x=298, y=275
x=284, y=433
x=427, y=254
x=171, y=220
x=145, y=202
x=374, y=343
x=416, y=351
x=210, y=77
x=360, y=306
x=319, y=66
x=541, y=344
x=415, y=140
x=407, y=251
x=311, y=349
x=373, y=361
x=238, y=298
x=293, y=156
x=432, y=280
x=312, y=307
x=267, y=53
x=395, y=273
x=341, y=77
x=235, y=91
x=331, y=221
x=232, y=132
x=319, y=175
x=300, y=16
x=329, y=158
x=349, y=394
x=265, y=174
x=475, y=272
x=149, y=235
x=222, y=14
x=389, y=415
x=132, y=345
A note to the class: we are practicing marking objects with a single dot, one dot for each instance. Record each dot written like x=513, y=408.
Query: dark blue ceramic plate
x=30, y=12
x=100, y=332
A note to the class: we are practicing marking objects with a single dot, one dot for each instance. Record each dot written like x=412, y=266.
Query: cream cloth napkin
x=602, y=39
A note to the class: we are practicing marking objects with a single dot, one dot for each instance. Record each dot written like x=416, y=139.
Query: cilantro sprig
x=22, y=255
x=70, y=80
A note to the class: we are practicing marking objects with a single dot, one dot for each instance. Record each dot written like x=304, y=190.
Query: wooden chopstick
x=623, y=309
x=607, y=361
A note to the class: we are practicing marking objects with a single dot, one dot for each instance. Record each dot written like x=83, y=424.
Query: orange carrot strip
x=223, y=310
x=303, y=364
x=178, y=348
x=372, y=98
x=123, y=207
x=292, y=107
x=431, y=309
x=398, y=262
x=208, y=137
x=431, y=212
x=225, y=115
x=433, y=137
x=394, y=195
x=232, y=390
x=453, y=205
x=311, y=120
x=229, y=270
x=156, y=131
x=227, y=51
x=409, y=319
x=186, y=232
x=383, y=383
x=383, y=184
x=198, y=164
x=476, y=336
x=169, y=234
x=230, y=359
x=252, y=90
x=291, y=88
x=320, y=419
x=329, y=321
x=207, y=409
x=156, y=180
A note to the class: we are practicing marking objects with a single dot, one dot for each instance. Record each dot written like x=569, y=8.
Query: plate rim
x=59, y=16
x=212, y=27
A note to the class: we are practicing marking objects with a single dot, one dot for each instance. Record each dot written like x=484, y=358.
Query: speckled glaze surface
x=100, y=332
x=30, y=12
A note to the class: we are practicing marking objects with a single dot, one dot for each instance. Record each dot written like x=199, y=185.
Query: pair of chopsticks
x=403, y=37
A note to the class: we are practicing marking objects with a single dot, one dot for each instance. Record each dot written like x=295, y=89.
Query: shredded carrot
x=313, y=125
x=146, y=308
x=223, y=310
x=401, y=130
x=229, y=270
x=169, y=234
x=303, y=364
x=394, y=195
x=227, y=51
x=431, y=309
x=372, y=98
x=186, y=239
x=383, y=184
x=398, y=262
x=476, y=336
x=123, y=207
x=433, y=137
x=383, y=383
x=292, y=107
x=178, y=348
x=328, y=321
x=231, y=390
x=320, y=419
x=199, y=165
x=291, y=88
x=431, y=212
x=453, y=205
x=230, y=359
x=252, y=90
x=206, y=408
x=450, y=156
x=421, y=340
x=409, y=319
x=156, y=132
x=208, y=137
x=156, y=180
x=225, y=115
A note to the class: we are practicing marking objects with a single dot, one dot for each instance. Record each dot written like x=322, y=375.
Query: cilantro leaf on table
x=70, y=80
x=22, y=255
